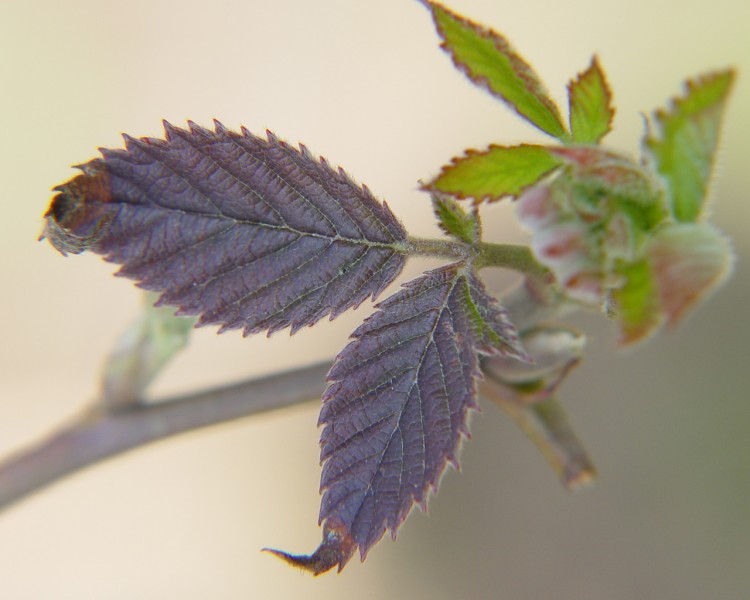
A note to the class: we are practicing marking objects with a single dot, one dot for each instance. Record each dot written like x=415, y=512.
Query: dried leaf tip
x=337, y=548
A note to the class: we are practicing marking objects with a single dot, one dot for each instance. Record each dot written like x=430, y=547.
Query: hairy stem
x=98, y=434
x=508, y=256
x=438, y=248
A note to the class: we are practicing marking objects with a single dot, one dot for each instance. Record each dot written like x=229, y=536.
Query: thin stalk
x=546, y=425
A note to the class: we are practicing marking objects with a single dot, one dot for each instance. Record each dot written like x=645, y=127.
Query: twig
x=110, y=428
x=97, y=434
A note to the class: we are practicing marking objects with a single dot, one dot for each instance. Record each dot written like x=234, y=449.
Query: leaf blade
x=685, y=148
x=495, y=173
x=246, y=232
x=455, y=221
x=397, y=405
x=590, y=103
x=489, y=61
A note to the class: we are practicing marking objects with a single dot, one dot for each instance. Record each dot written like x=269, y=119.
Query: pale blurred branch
x=99, y=433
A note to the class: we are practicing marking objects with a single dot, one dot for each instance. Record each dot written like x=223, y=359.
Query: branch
x=98, y=434
x=108, y=428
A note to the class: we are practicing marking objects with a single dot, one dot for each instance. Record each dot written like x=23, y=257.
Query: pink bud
x=536, y=208
x=689, y=260
x=586, y=287
x=560, y=244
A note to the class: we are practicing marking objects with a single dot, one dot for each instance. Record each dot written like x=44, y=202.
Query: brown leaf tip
x=76, y=216
x=336, y=548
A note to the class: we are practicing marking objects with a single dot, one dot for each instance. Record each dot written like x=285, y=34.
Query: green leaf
x=494, y=173
x=684, y=150
x=637, y=302
x=590, y=102
x=455, y=221
x=684, y=263
x=489, y=61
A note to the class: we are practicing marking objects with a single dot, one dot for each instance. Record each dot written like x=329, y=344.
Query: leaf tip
x=219, y=127
x=336, y=549
x=170, y=131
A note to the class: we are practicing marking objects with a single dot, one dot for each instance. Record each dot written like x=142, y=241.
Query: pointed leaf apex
x=490, y=62
x=169, y=130
x=336, y=549
x=590, y=103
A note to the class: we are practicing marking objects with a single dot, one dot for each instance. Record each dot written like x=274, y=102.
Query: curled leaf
x=489, y=61
x=554, y=349
x=336, y=549
x=244, y=231
x=689, y=261
x=526, y=392
x=398, y=403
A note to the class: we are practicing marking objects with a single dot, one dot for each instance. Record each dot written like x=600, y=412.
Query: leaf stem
x=546, y=425
x=486, y=254
x=440, y=248
x=509, y=256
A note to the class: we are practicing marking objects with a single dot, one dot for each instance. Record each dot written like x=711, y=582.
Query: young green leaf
x=637, y=302
x=397, y=407
x=488, y=59
x=590, y=103
x=685, y=147
x=494, y=173
x=455, y=221
x=247, y=232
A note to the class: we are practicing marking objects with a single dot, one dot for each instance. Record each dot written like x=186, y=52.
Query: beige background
x=364, y=84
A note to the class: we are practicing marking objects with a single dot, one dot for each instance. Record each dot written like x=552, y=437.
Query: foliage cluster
x=252, y=233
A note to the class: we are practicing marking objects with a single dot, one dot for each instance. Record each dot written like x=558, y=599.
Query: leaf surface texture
x=494, y=173
x=398, y=402
x=245, y=231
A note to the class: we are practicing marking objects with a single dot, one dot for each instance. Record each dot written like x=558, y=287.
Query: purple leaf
x=397, y=407
x=244, y=231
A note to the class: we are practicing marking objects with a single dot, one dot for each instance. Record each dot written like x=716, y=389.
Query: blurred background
x=364, y=84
